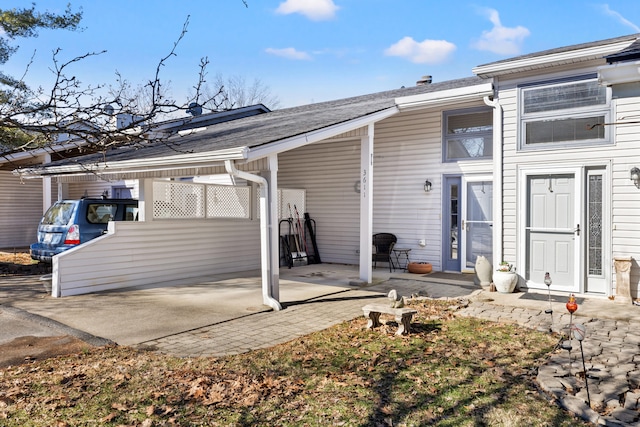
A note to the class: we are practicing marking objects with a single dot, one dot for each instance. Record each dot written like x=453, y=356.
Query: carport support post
x=274, y=236
x=366, y=205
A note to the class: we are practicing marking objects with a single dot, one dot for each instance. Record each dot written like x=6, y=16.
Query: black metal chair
x=383, y=244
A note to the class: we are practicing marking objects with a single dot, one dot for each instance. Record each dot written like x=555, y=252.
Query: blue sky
x=312, y=50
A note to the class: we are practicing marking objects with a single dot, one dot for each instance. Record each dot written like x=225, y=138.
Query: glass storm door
x=477, y=222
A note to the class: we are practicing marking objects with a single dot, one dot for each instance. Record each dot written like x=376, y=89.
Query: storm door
x=467, y=224
x=477, y=221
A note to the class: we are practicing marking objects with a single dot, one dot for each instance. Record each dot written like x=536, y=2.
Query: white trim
x=140, y=165
x=319, y=135
x=550, y=60
x=447, y=97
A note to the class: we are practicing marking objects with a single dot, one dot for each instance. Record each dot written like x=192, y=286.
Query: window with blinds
x=564, y=113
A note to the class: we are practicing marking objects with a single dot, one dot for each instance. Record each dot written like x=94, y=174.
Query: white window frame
x=446, y=136
x=604, y=110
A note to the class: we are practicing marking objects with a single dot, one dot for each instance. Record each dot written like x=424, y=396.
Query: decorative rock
x=625, y=415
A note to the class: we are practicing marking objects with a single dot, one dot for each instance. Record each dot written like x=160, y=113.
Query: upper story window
x=566, y=113
x=468, y=134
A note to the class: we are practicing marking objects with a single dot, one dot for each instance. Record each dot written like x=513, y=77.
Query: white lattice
x=178, y=200
x=290, y=200
x=286, y=197
x=224, y=201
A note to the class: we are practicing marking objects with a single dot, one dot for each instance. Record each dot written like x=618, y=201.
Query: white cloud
x=316, y=10
x=424, y=52
x=619, y=17
x=289, y=53
x=501, y=40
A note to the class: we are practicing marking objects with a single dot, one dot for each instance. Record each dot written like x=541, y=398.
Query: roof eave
x=319, y=134
x=445, y=97
x=182, y=161
x=549, y=60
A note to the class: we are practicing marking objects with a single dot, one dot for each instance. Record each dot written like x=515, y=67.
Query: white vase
x=505, y=281
x=483, y=270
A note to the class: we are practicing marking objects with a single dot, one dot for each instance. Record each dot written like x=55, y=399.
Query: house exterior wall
x=329, y=172
x=76, y=190
x=160, y=253
x=407, y=151
x=621, y=197
x=20, y=210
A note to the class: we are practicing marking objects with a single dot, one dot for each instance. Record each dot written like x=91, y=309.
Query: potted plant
x=504, y=278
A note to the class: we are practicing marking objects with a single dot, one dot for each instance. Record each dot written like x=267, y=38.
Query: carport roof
x=252, y=137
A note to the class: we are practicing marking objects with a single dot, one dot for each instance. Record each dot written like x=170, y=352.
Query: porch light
x=427, y=185
x=635, y=176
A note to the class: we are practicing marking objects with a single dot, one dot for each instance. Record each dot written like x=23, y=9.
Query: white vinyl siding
x=20, y=210
x=76, y=190
x=159, y=253
x=329, y=173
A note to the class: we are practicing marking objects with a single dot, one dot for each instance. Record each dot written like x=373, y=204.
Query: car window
x=58, y=214
x=131, y=213
x=101, y=213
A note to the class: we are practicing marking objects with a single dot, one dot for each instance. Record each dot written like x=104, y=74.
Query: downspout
x=265, y=252
x=498, y=245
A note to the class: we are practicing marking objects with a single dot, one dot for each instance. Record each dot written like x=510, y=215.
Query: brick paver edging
x=612, y=358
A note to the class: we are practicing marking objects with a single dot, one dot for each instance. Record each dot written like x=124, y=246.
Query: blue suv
x=68, y=223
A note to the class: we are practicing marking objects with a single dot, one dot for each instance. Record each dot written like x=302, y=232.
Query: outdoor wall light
x=427, y=186
x=635, y=176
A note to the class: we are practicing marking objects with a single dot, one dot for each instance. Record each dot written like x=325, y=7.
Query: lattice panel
x=224, y=201
x=294, y=199
x=286, y=197
x=178, y=200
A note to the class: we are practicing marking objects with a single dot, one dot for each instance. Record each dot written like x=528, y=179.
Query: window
x=468, y=135
x=566, y=113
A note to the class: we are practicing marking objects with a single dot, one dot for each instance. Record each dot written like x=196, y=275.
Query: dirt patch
x=19, y=263
x=29, y=349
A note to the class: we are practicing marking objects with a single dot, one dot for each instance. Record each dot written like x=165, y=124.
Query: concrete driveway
x=136, y=315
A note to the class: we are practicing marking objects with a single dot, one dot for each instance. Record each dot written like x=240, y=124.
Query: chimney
x=424, y=80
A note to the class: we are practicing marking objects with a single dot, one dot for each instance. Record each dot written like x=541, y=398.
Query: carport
x=182, y=238
x=246, y=149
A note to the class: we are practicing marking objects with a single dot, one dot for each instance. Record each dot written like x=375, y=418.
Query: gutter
x=498, y=169
x=447, y=97
x=138, y=165
x=265, y=252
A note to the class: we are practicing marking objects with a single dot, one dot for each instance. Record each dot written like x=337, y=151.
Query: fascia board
x=622, y=72
x=22, y=155
x=138, y=165
x=545, y=61
x=445, y=97
x=318, y=135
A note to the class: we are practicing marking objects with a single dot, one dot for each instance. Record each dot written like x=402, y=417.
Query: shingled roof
x=266, y=128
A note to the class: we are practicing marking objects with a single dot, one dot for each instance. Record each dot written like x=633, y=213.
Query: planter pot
x=419, y=267
x=483, y=271
x=505, y=281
